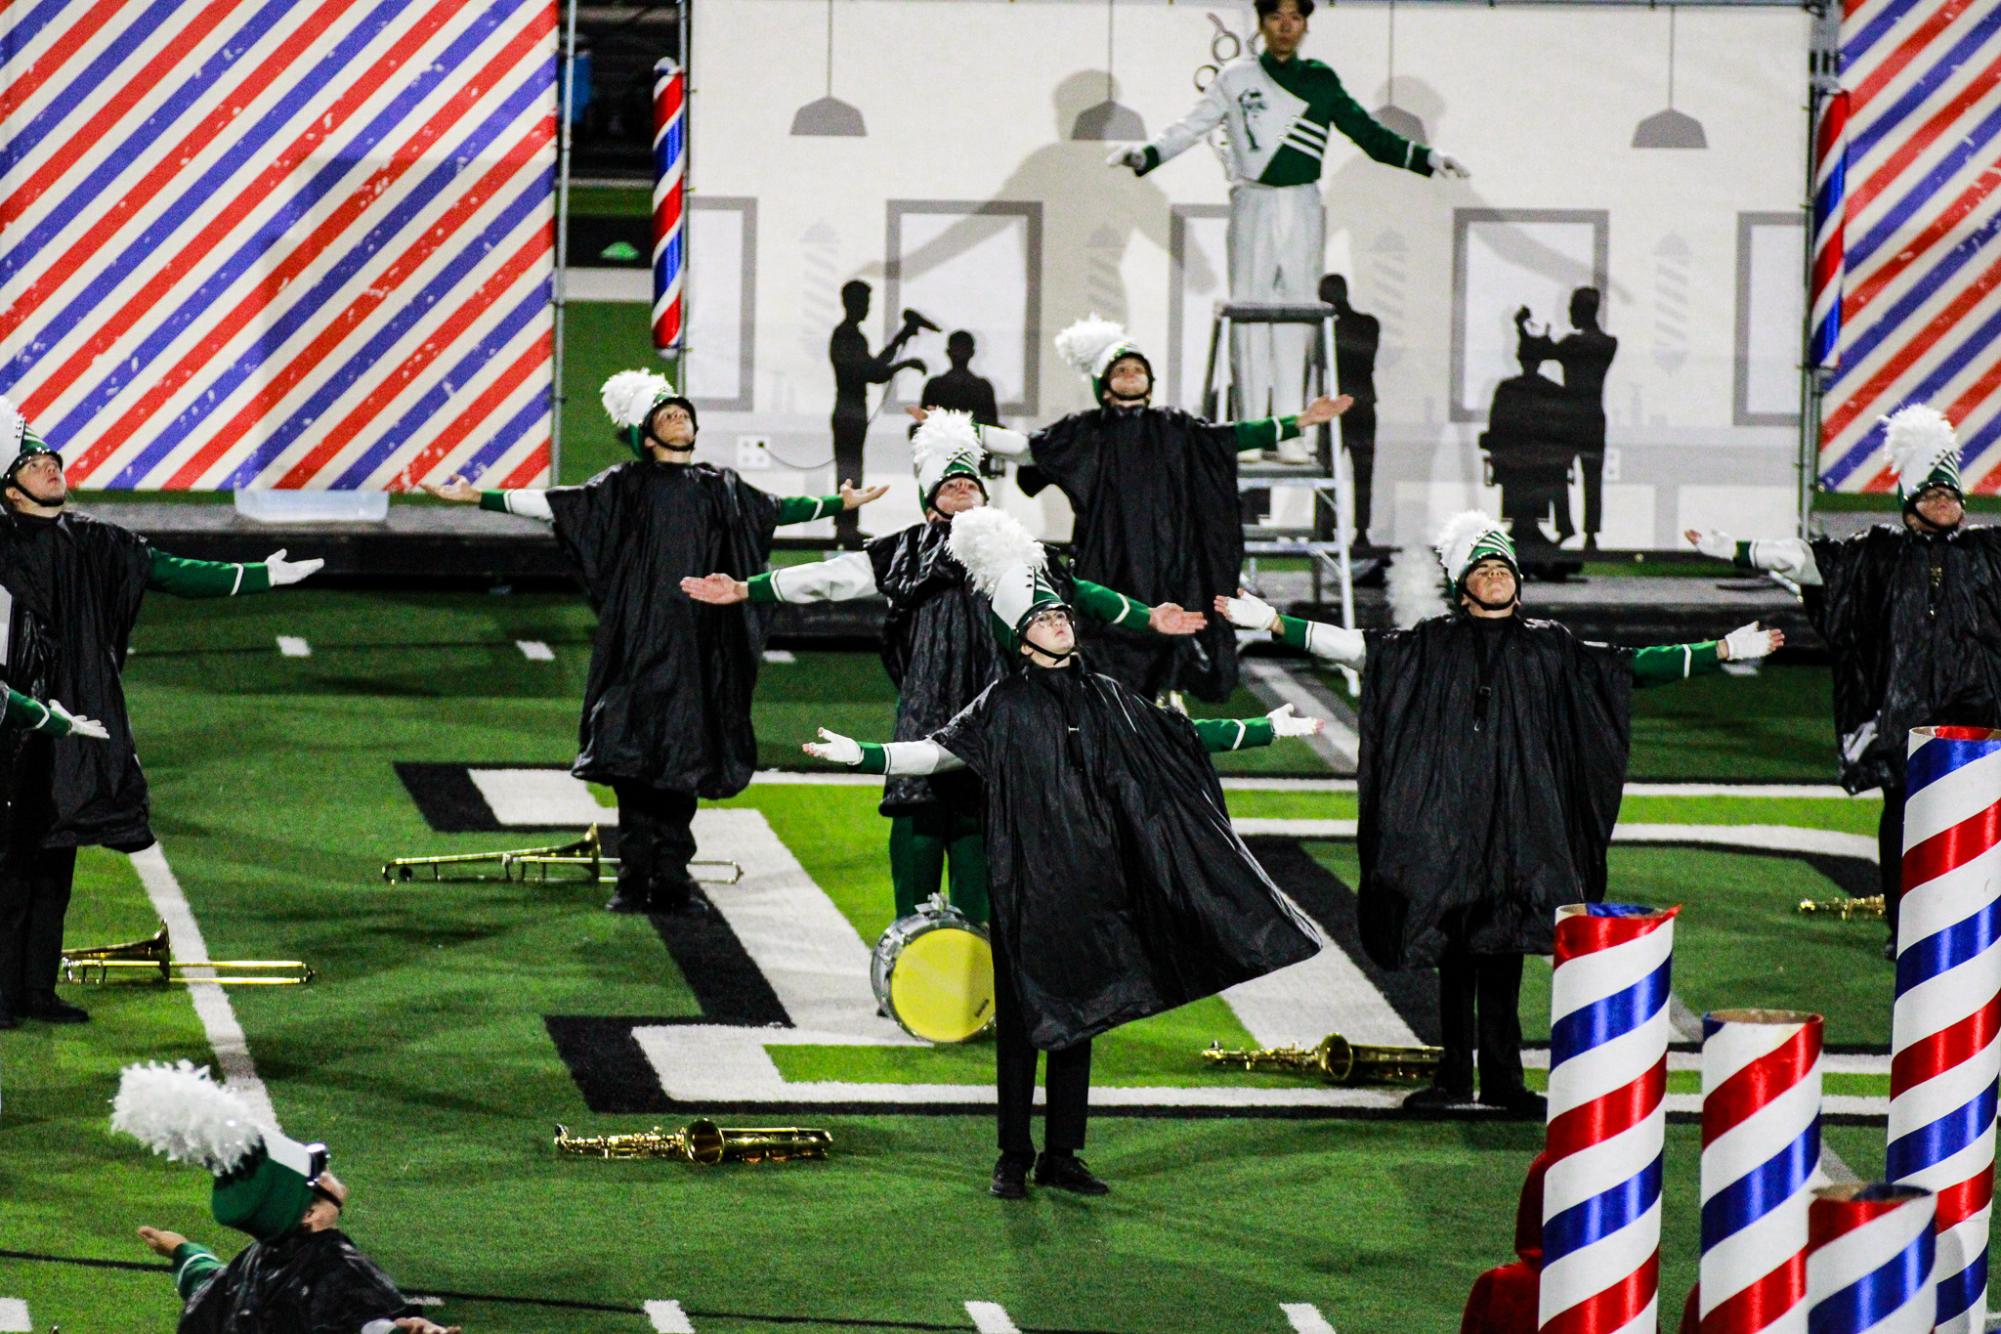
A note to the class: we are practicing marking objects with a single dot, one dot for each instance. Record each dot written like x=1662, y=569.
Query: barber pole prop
x=1608, y=1041
x=1869, y=1262
x=1944, y=1057
x=1830, y=216
x=1760, y=1153
x=670, y=214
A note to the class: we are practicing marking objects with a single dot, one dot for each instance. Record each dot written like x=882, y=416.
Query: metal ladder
x=1327, y=541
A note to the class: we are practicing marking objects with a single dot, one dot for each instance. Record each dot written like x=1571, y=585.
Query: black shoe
x=1010, y=1177
x=624, y=902
x=1517, y=1104
x=1437, y=1098
x=49, y=1010
x=1066, y=1171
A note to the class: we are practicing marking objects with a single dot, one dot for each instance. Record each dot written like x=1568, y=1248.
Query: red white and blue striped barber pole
x=1760, y=1157
x=1944, y=1055
x=1830, y=216
x=670, y=205
x=1869, y=1266
x=1608, y=1041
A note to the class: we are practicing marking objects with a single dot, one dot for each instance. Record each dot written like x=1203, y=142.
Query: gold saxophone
x=153, y=960
x=1867, y=906
x=702, y=1141
x=584, y=857
x=1336, y=1060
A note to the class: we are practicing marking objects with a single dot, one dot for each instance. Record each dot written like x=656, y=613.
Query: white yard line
x=991, y=1318
x=1305, y=1318
x=212, y=1007
x=14, y=1316
x=292, y=646
x=668, y=1318
x=780, y=656
x=1272, y=683
x=535, y=650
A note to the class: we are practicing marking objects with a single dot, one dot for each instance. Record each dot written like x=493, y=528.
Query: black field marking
x=727, y=983
x=1328, y=900
x=447, y=798
x=604, y=1059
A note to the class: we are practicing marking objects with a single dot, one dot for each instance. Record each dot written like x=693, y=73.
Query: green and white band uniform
x=1786, y=556
x=533, y=503
x=852, y=575
x=186, y=578
x=30, y=714
x=1654, y=665
x=1261, y=433
x=928, y=757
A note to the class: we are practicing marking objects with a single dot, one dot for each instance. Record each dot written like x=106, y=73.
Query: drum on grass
x=933, y=972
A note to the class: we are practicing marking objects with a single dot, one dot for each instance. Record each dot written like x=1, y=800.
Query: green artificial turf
x=421, y=1054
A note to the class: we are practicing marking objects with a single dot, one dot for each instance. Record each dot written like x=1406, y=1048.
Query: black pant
x=34, y=894
x=1493, y=984
x=850, y=435
x=1890, y=853
x=1591, y=466
x=1068, y=1083
x=1358, y=433
x=655, y=843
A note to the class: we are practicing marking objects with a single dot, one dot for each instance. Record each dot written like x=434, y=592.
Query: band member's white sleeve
x=529, y=503
x=916, y=758
x=1192, y=128
x=1336, y=644
x=1787, y=556
x=1000, y=441
x=841, y=579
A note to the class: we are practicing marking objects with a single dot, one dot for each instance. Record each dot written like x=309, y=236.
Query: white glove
x=78, y=724
x=1127, y=155
x=1448, y=167
x=284, y=571
x=1285, y=723
x=1750, y=642
x=1717, y=545
x=835, y=748
x=1247, y=611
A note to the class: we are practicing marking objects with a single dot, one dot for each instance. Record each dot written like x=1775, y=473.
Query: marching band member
x=1493, y=759
x=1119, y=890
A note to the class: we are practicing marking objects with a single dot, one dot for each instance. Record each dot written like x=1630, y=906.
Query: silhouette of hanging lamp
x=1670, y=128
x=1108, y=119
x=1389, y=115
x=829, y=116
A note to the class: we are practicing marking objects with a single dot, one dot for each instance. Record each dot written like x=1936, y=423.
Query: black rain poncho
x=299, y=1283
x=1155, y=491
x=74, y=586
x=1481, y=813
x=1119, y=888
x=667, y=701
x=938, y=648
x=1905, y=655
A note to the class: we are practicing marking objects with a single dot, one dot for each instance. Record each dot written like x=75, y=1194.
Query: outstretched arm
x=899, y=758
x=1220, y=734
x=1346, y=648
x=841, y=579
x=1000, y=441
x=805, y=509
x=1786, y=556
x=529, y=502
x=221, y=579
x=1177, y=138
x=1662, y=663
x=1266, y=432
x=30, y=714
x=1110, y=607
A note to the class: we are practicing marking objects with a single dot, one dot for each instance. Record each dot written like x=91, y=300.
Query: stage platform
x=441, y=546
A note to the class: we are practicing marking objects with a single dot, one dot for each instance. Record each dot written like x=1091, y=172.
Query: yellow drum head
x=942, y=986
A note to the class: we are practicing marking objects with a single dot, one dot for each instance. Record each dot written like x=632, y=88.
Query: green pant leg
x=968, y=850
x=916, y=860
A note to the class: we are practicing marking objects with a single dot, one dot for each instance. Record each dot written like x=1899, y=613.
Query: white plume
x=1415, y=592
x=13, y=426
x=179, y=1112
x=1084, y=342
x=989, y=544
x=1918, y=438
x=1456, y=538
x=942, y=436
x=630, y=395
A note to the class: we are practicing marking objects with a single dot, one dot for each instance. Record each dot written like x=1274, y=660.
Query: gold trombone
x=1863, y=906
x=702, y=1141
x=95, y=965
x=1336, y=1060
x=520, y=865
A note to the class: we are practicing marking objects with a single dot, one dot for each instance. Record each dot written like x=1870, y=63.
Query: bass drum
x=933, y=972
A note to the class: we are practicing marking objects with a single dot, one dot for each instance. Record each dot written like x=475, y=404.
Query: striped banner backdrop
x=280, y=243
x=670, y=231
x=1921, y=309
x=1830, y=215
